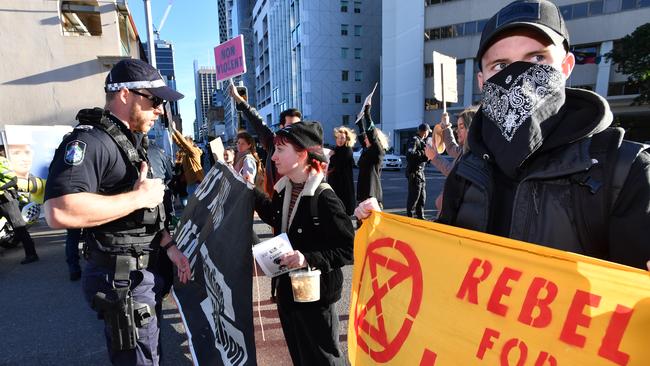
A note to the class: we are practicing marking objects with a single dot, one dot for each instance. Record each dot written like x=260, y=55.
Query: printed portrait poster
x=30, y=149
x=429, y=294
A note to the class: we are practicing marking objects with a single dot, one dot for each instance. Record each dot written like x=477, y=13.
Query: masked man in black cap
x=544, y=166
x=416, y=159
x=100, y=181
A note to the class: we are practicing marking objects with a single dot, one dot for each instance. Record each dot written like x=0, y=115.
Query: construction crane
x=162, y=21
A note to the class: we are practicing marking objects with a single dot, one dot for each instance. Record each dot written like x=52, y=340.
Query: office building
x=320, y=57
x=56, y=55
x=205, y=82
x=411, y=31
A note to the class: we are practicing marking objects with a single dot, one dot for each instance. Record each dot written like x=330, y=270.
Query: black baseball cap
x=540, y=15
x=424, y=127
x=308, y=135
x=137, y=74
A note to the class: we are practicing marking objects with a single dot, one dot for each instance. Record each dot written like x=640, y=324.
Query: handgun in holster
x=122, y=315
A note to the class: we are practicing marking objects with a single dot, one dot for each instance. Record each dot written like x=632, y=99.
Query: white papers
x=366, y=102
x=268, y=253
x=444, y=78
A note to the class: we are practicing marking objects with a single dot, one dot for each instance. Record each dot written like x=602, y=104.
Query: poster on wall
x=30, y=148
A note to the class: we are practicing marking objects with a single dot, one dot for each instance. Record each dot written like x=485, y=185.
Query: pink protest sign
x=229, y=58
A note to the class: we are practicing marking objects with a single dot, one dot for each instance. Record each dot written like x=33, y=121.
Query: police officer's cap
x=137, y=74
x=424, y=127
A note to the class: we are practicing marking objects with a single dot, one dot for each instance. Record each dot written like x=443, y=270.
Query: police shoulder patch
x=74, y=152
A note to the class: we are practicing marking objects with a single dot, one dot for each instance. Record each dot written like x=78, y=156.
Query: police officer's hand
x=293, y=259
x=150, y=192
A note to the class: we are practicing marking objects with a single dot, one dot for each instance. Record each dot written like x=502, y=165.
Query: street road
x=47, y=322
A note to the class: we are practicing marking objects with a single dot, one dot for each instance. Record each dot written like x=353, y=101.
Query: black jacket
x=369, y=180
x=416, y=159
x=266, y=137
x=340, y=176
x=538, y=207
x=327, y=247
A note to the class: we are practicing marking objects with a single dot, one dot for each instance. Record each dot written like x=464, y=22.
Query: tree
x=631, y=55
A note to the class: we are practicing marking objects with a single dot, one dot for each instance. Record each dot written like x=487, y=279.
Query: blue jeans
x=72, y=250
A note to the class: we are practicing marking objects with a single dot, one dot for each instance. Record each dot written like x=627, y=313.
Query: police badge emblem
x=74, y=152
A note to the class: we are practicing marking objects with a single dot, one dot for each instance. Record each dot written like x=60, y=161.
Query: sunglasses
x=155, y=101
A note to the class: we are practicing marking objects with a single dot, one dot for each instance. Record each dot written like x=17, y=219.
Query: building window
x=345, y=120
x=622, y=88
x=628, y=4
x=344, y=75
x=81, y=19
x=357, y=30
x=357, y=53
x=344, y=52
x=357, y=7
x=611, y=6
x=428, y=70
x=345, y=98
x=595, y=8
x=357, y=98
x=344, y=29
x=344, y=6
x=358, y=75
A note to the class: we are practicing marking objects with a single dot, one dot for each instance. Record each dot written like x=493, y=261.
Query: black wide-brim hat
x=137, y=74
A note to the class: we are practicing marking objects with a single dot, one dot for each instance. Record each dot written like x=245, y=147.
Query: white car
x=391, y=161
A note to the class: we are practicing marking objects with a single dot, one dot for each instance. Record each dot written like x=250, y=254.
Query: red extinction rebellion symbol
x=397, y=258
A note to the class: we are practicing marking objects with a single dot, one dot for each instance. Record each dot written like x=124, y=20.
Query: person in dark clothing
x=10, y=209
x=265, y=134
x=415, y=162
x=542, y=164
x=374, y=145
x=324, y=243
x=340, y=174
x=162, y=168
x=100, y=180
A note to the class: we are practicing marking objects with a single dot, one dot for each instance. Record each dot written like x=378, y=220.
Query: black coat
x=340, y=176
x=327, y=247
x=369, y=180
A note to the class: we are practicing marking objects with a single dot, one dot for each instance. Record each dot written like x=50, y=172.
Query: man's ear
x=479, y=79
x=568, y=64
x=122, y=95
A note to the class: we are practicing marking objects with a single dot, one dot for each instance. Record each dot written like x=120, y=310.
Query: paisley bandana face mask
x=518, y=105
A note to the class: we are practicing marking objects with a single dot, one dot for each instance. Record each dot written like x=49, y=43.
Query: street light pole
x=150, y=40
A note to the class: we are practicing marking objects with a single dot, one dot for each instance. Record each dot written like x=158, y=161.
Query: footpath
x=46, y=320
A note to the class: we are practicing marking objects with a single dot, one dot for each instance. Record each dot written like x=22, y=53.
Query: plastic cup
x=305, y=285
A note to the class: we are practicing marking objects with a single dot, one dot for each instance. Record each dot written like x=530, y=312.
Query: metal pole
x=150, y=39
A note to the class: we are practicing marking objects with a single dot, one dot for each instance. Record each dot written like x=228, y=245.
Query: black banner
x=216, y=304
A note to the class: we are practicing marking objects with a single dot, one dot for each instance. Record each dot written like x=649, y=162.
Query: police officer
x=100, y=180
x=10, y=209
x=415, y=162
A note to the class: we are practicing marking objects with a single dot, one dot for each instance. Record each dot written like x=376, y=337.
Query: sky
x=193, y=28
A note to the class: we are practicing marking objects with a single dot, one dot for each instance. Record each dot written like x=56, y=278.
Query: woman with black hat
x=322, y=240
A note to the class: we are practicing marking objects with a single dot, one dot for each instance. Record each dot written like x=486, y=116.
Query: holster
x=122, y=315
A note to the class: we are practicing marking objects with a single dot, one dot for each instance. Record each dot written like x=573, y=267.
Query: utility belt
x=130, y=262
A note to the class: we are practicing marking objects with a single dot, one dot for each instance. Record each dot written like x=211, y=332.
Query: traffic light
x=243, y=92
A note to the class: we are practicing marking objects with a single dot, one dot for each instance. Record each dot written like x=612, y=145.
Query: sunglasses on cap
x=155, y=101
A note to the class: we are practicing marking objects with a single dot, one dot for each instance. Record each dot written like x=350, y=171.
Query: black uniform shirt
x=88, y=160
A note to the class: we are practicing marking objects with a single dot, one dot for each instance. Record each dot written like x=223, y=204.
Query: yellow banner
x=431, y=294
